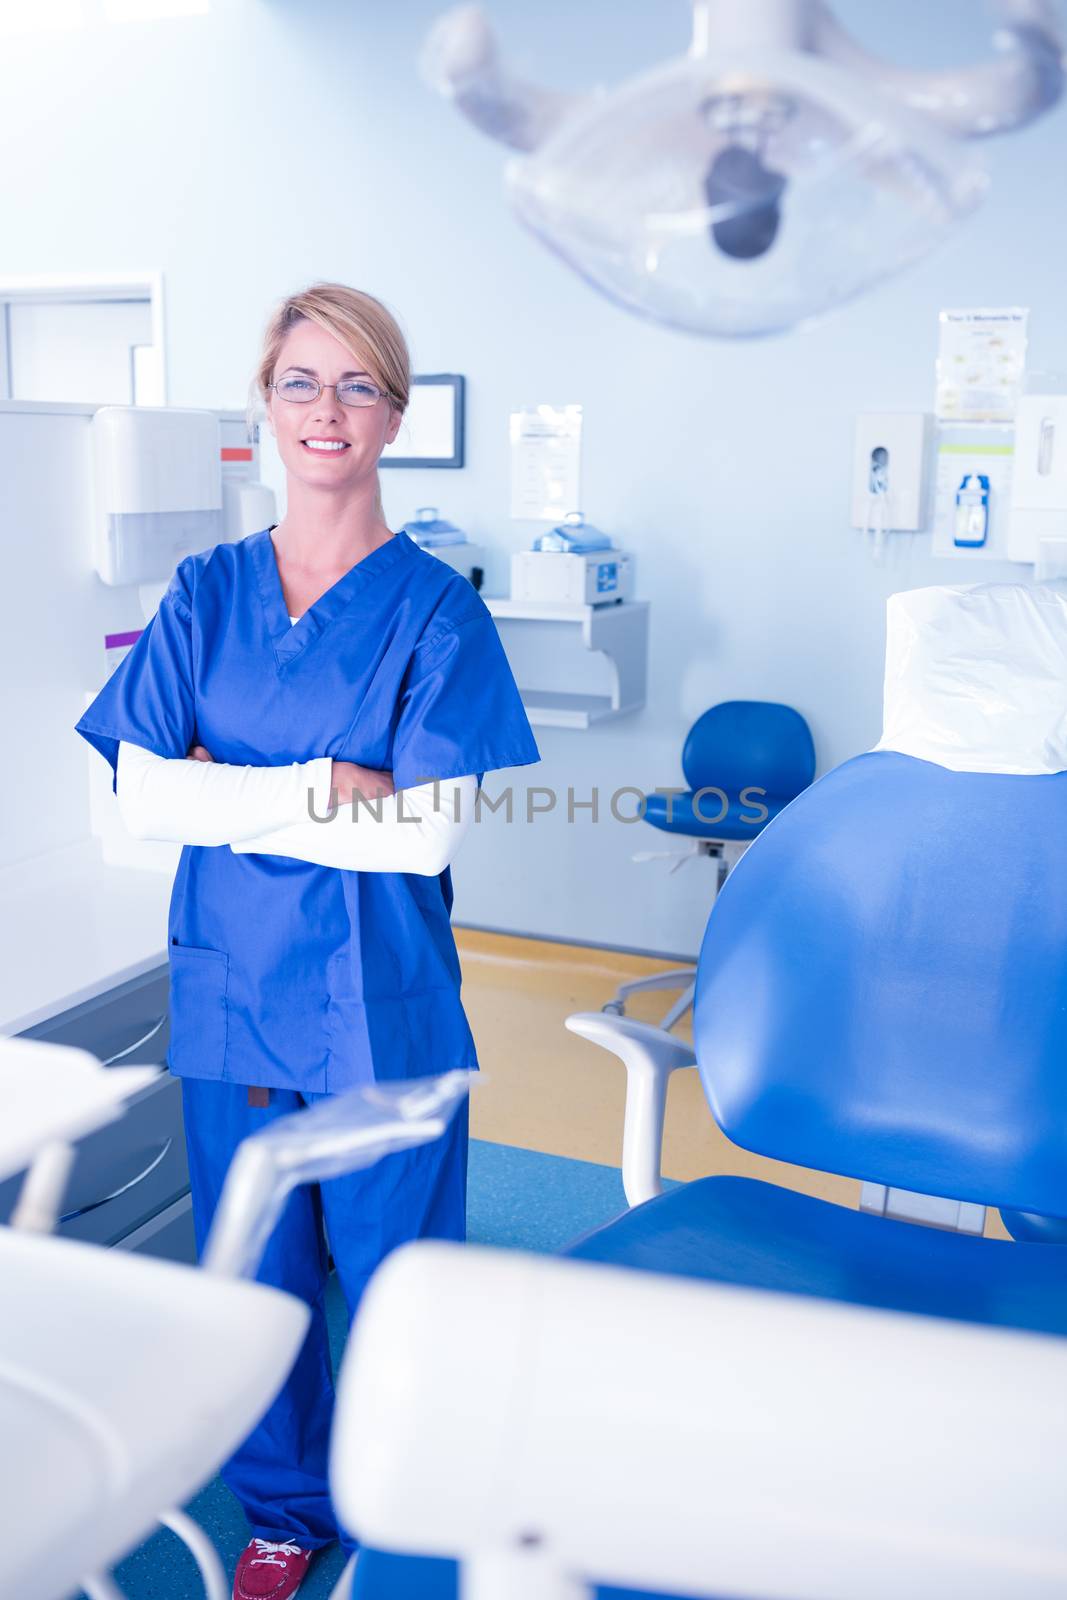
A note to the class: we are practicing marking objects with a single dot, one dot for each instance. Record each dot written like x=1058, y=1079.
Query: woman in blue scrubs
x=292, y=980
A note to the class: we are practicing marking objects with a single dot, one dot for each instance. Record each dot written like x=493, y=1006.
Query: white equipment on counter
x=447, y=542
x=573, y=564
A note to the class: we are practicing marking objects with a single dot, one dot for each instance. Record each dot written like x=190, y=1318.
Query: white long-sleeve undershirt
x=265, y=811
x=417, y=830
x=211, y=802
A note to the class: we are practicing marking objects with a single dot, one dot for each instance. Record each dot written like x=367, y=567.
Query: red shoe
x=267, y=1571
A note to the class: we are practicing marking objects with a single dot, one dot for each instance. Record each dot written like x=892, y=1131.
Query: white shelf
x=560, y=710
x=548, y=610
x=619, y=630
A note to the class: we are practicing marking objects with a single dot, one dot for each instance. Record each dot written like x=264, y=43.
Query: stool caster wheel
x=614, y=1008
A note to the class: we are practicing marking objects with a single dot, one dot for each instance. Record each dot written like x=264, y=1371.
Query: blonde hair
x=358, y=321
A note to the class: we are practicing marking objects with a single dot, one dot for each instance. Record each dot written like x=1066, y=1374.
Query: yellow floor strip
x=543, y=1088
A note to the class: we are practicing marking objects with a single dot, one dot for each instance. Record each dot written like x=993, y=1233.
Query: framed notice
x=546, y=445
x=431, y=434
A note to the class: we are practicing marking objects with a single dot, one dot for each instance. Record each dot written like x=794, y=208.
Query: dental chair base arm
x=650, y=1056
x=695, y=1438
x=903, y=1205
x=212, y=1577
x=202, y=1551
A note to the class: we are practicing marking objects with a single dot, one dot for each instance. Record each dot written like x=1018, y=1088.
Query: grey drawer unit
x=129, y=1185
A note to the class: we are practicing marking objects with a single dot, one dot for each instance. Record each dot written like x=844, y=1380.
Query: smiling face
x=361, y=431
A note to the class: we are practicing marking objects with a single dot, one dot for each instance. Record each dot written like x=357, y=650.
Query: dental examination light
x=774, y=172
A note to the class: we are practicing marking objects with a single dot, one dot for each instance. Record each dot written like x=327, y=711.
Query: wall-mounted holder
x=889, y=472
x=982, y=452
x=157, y=489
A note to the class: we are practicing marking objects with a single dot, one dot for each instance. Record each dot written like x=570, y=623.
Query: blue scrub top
x=287, y=974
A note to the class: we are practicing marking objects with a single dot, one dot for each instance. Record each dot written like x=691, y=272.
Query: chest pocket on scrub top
x=199, y=980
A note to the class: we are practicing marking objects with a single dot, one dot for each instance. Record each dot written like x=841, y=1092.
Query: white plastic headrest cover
x=976, y=677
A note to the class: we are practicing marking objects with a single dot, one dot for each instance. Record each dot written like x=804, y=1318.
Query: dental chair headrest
x=976, y=677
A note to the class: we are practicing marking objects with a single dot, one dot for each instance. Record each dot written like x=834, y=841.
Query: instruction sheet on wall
x=981, y=452
x=545, y=462
x=981, y=361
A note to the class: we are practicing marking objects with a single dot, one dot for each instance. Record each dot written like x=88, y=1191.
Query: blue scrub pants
x=279, y=1474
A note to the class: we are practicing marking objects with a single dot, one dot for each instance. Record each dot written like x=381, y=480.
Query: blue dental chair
x=872, y=1000
x=757, y=756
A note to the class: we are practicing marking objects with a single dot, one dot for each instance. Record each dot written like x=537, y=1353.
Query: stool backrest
x=882, y=987
x=743, y=743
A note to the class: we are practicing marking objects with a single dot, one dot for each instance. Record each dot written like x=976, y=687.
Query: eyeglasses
x=351, y=392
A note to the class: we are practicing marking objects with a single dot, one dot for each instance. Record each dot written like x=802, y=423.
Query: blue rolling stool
x=751, y=757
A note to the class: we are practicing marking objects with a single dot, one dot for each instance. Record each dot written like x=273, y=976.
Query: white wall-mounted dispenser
x=889, y=476
x=157, y=486
x=1039, y=477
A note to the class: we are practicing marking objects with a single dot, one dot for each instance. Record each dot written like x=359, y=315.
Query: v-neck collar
x=290, y=638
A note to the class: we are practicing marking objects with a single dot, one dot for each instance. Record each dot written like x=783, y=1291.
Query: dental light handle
x=459, y=58
x=726, y=25
x=580, y=1422
x=1022, y=81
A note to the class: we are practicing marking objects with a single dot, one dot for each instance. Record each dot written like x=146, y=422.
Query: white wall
x=723, y=467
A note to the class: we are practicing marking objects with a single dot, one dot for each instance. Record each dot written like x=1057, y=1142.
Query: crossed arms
x=265, y=810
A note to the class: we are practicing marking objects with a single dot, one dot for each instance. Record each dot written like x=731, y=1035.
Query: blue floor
x=516, y=1198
